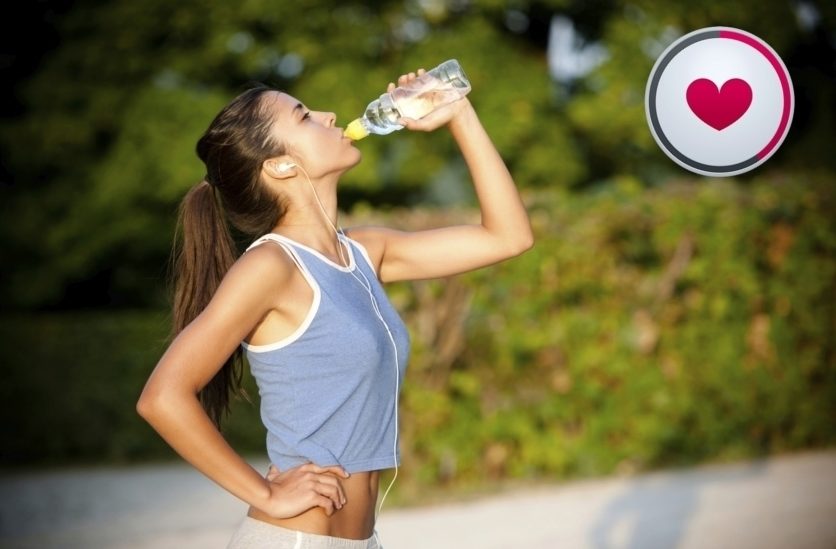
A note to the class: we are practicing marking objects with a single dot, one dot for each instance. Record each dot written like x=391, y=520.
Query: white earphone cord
x=368, y=287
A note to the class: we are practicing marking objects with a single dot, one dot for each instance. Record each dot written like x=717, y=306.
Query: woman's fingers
x=325, y=503
x=334, y=469
x=330, y=488
x=304, y=487
x=406, y=78
x=337, y=470
x=324, y=481
x=332, y=481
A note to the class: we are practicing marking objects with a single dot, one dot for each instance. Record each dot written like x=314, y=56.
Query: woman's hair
x=233, y=149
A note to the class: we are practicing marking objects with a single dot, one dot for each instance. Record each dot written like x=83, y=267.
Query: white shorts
x=257, y=534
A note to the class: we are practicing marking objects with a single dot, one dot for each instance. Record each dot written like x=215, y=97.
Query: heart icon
x=719, y=108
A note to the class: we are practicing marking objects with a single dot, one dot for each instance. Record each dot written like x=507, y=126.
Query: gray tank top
x=328, y=391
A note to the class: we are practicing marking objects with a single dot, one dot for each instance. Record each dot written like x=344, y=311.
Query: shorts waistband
x=253, y=533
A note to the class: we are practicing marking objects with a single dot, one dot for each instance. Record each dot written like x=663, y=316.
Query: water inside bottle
x=425, y=94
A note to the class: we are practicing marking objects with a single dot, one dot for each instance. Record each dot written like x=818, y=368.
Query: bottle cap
x=355, y=130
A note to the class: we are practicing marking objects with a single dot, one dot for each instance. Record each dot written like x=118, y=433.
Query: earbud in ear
x=285, y=166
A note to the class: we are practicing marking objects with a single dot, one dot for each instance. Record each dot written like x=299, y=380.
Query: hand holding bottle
x=416, y=97
x=438, y=111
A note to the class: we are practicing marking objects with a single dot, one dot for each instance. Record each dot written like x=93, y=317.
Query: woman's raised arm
x=504, y=230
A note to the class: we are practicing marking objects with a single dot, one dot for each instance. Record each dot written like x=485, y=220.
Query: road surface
x=784, y=502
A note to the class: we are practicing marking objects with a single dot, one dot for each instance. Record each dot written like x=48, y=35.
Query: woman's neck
x=313, y=233
x=311, y=218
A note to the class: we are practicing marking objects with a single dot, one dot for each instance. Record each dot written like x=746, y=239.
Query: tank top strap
x=357, y=247
x=285, y=243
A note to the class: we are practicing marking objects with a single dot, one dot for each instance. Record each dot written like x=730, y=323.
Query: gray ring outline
x=654, y=118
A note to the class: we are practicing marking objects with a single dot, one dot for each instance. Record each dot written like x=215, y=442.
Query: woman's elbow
x=527, y=242
x=522, y=243
x=153, y=403
x=145, y=405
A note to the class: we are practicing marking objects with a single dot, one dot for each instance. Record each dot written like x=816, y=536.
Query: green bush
x=646, y=328
x=73, y=380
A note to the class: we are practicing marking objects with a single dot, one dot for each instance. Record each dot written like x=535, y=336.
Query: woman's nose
x=330, y=119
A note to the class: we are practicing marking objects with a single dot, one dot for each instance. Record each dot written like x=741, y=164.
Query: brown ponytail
x=233, y=148
x=203, y=253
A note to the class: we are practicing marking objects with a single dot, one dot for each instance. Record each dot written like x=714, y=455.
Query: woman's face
x=312, y=138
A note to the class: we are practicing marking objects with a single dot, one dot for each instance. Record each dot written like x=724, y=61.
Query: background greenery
x=660, y=319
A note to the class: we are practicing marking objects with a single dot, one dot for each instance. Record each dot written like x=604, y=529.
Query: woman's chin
x=356, y=161
x=349, y=166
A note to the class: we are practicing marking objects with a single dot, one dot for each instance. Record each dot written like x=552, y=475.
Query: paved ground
x=786, y=502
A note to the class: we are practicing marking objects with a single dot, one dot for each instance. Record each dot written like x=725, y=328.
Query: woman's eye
x=307, y=115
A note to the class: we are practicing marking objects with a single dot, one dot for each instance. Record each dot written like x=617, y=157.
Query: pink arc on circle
x=785, y=86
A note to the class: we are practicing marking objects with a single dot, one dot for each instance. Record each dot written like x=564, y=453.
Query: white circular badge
x=719, y=101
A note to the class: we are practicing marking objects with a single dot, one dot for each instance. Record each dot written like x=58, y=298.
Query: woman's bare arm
x=170, y=404
x=504, y=230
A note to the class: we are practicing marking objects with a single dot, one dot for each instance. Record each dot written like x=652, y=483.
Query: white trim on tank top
x=320, y=255
x=284, y=342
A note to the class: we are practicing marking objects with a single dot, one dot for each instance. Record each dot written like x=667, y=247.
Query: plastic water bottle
x=442, y=85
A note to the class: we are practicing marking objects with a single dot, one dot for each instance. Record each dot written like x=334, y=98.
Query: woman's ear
x=279, y=170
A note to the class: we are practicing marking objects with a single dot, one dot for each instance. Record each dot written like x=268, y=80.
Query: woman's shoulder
x=265, y=264
x=372, y=240
x=254, y=284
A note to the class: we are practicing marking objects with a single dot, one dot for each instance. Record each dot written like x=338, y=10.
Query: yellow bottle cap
x=355, y=130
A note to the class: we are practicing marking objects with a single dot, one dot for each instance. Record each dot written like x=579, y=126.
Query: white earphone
x=283, y=167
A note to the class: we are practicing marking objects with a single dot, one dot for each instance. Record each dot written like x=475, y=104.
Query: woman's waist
x=354, y=521
x=360, y=445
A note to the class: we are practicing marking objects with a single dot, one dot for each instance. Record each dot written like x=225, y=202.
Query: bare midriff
x=354, y=521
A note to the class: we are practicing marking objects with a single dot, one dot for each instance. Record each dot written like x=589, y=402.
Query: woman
x=325, y=346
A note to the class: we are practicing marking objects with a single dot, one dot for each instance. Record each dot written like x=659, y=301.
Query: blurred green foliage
x=74, y=379
x=646, y=328
x=100, y=149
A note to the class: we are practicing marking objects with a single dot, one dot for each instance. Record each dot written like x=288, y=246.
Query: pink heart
x=719, y=108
